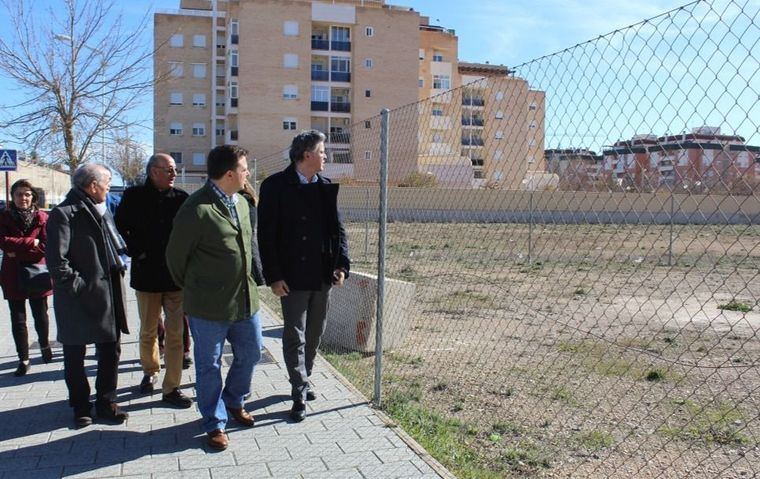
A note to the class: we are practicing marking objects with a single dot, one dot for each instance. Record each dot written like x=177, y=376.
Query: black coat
x=88, y=295
x=144, y=218
x=301, y=237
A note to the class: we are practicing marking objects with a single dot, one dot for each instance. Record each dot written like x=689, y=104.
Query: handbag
x=34, y=278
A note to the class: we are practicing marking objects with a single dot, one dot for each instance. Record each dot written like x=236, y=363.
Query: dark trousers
x=39, y=307
x=105, y=381
x=304, y=315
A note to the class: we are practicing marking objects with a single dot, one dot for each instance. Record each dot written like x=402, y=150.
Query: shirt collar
x=304, y=180
x=222, y=195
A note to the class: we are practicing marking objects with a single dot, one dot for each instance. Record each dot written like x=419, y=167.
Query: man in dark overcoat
x=304, y=252
x=88, y=291
x=144, y=219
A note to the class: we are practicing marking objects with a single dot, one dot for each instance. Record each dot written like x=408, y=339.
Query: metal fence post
x=384, y=140
x=366, y=224
x=672, y=212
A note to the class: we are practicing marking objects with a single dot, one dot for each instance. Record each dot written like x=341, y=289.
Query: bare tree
x=127, y=157
x=79, y=73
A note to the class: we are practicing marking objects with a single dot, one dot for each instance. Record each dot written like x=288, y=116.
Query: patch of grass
x=598, y=358
x=402, y=358
x=710, y=424
x=593, y=440
x=440, y=386
x=655, y=375
x=581, y=291
x=734, y=305
x=506, y=427
x=563, y=394
x=407, y=273
x=526, y=457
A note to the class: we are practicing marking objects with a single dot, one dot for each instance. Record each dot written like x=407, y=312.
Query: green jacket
x=209, y=257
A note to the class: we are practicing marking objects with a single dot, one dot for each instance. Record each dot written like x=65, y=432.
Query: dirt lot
x=583, y=355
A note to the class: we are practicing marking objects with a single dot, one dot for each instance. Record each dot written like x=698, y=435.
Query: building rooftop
x=483, y=68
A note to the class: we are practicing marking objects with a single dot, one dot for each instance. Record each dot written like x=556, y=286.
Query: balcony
x=340, y=107
x=340, y=137
x=320, y=44
x=320, y=75
x=466, y=121
x=340, y=46
x=469, y=101
x=320, y=106
x=233, y=102
x=340, y=76
x=234, y=71
x=474, y=141
x=234, y=39
x=233, y=135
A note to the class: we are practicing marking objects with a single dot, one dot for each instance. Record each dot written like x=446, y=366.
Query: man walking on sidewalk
x=209, y=257
x=304, y=252
x=144, y=218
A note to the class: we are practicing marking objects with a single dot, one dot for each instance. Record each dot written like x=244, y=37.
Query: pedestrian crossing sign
x=7, y=160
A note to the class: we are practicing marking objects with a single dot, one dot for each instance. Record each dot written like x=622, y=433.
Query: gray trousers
x=304, y=315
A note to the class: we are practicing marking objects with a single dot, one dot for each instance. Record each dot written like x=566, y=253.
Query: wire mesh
x=572, y=257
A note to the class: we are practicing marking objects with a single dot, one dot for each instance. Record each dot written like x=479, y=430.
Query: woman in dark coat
x=22, y=239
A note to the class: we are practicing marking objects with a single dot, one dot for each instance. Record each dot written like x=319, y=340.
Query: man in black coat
x=82, y=255
x=304, y=251
x=144, y=218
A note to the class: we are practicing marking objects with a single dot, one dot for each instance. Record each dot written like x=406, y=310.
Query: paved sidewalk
x=342, y=437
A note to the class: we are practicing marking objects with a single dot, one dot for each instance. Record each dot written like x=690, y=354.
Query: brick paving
x=342, y=436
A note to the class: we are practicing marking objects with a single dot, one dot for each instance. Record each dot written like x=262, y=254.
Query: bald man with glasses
x=144, y=218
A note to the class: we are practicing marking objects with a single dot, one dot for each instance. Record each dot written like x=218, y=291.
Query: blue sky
x=509, y=32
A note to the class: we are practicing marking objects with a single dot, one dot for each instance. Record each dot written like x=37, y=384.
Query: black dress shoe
x=177, y=398
x=187, y=361
x=148, y=383
x=47, y=355
x=83, y=416
x=111, y=412
x=22, y=369
x=310, y=394
x=298, y=411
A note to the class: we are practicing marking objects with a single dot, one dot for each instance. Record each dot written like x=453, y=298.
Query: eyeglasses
x=167, y=170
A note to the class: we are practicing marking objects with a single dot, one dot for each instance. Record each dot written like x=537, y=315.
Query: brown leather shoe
x=241, y=416
x=217, y=440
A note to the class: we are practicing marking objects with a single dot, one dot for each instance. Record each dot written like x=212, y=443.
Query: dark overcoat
x=88, y=295
x=301, y=237
x=13, y=240
x=144, y=219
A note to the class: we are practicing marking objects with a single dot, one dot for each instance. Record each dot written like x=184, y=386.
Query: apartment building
x=576, y=168
x=701, y=161
x=254, y=72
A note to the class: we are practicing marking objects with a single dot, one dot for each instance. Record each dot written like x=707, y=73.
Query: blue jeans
x=208, y=344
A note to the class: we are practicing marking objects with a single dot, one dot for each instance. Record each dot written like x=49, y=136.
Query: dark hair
x=25, y=184
x=223, y=159
x=249, y=193
x=305, y=141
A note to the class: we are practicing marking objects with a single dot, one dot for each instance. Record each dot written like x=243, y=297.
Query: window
x=234, y=27
x=441, y=82
x=422, y=53
x=499, y=115
x=220, y=41
x=499, y=95
x=175, y=98
x=437, y=138
x=199, y=158
x=234, y=58
x=177, y=40
x=421, y=82
x=290, y=92
x=199, y=70
x=175, y=128
x=532, y=125
x=219, y=101
x=437, y=111
x=233, y=90
x=199, y=99
x=290, y=60
x=199, y=41
x=367, y=124
x=499, y=135
x=320, y=93
x=368, y=155
x=176, y=69
x=340, y=34
x=199, y=129
x=369, y=31
x=177, y=155
x=532, y=107
x=290, y=28
x=219, y=131
x=289, y=124
x=368, y=63
x=367, y=93
x=437, y=56
x=498, y=154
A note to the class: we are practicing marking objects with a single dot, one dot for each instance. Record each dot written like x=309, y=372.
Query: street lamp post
x=97, y=51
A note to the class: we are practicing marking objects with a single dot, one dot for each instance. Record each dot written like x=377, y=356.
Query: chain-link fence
x=572, y=257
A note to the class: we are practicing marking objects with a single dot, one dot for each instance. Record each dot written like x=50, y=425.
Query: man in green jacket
x=209, y=257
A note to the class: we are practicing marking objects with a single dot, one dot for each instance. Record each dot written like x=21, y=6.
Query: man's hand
x=280, y=288
x=338, y=276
